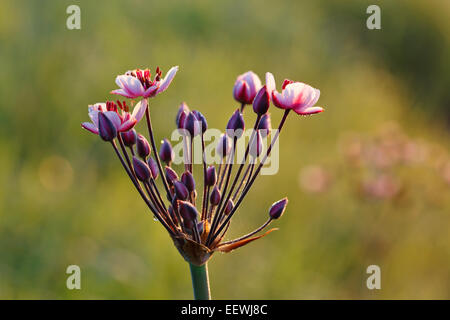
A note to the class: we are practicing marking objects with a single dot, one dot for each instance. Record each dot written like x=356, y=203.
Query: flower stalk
x=200, y=281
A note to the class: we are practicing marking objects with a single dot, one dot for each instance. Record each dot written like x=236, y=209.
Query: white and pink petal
x=139, y=110
x=90, y=127
x=167, y=79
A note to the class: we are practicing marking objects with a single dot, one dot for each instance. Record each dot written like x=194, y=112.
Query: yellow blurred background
x=368, y=180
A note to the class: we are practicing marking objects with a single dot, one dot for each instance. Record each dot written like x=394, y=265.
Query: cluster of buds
x=196, y=227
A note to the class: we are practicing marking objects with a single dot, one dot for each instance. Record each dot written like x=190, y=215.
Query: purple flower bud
x=202, y=119
x=188, y=212
x=278, y=208
x=106, y=128
x=182, y=123
x=181, y=191
x=171, y=175
x=142, y=146
x=256, y=145
x=183, y=110
x=229, y=206
x=192, y=124
x=211, y=176
x=223, y=146
x=153, y=167
x=141, y=169
x=129, y=137
x=166, y=152
x=262, y=101
x=236, y=125
x=265, y=125
x=215, y=196
x=188, y=179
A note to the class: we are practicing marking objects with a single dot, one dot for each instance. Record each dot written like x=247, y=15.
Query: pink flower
x=138, y=83
x=123, y=121
x=297, y=96
x=246, y=87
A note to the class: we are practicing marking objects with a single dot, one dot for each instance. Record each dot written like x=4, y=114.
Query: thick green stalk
x=200, y=282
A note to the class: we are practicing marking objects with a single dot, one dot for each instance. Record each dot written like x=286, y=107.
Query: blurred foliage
x=64, y=199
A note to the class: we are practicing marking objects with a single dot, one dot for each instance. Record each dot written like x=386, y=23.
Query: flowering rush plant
x=197, y=228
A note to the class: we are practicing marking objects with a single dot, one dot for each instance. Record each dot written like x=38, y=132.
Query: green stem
x=200, y=282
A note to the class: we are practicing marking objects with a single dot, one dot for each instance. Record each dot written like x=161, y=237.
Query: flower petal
x=133, y=86
x=94, y=110
x=123, y=93
x=90, y=127
x=315, y=98
x=150, y=91
x=167, y=79
x=270, y=83
x=139, y=110
x=253, y=82
x=127, y=125
x=114, y=117
x=308, y=111
x=120, y=80
x=277, y=99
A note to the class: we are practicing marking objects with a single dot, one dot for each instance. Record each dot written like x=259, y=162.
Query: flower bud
x=166, y=152
x=142, y=146
x=246, y=87
x=106, y=128
x=188, y=212
x=192, y=124
x=202, y=119
x=236, y=125
x=183, y=110
x=278, y=208
x=211, y=176
x=256, y=145
x=223, y=146
x=181, y=191
x=129, y=137
x=182, y=123
x=171, y=175
x=141, y=169
x=188, y=179
x=215, y=196
x=265, y=125
x=262, y=101
x=153, y=167
x=229, y=206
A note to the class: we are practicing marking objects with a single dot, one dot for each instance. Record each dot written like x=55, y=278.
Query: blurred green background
x=368, y=180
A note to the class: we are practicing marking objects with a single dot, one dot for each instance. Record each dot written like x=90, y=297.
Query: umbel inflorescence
x=197, y=225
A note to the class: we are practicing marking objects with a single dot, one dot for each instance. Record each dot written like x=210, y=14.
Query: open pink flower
x=123, y=121
x=297, y=96
x=246, y=87
x=138, y=83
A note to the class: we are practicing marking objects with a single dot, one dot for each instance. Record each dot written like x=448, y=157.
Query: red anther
x=125, y=106
x=147, y=74
x=139, y=76
x=111, y=106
